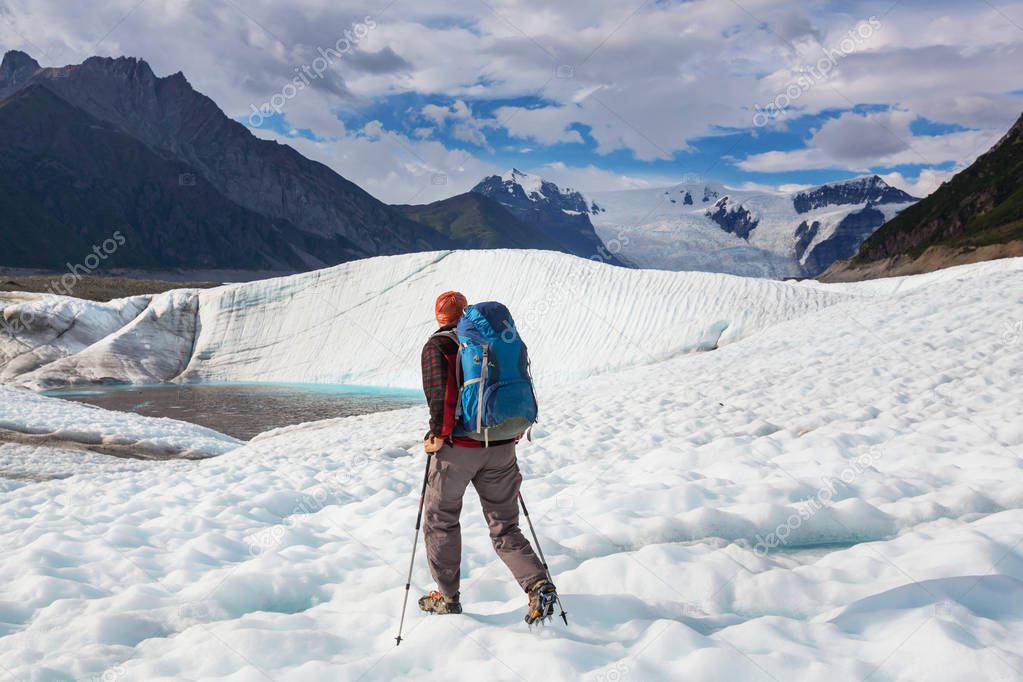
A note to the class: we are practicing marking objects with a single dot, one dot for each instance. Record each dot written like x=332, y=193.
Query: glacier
x=834, y=494
x=364, y=322
x=671, y=227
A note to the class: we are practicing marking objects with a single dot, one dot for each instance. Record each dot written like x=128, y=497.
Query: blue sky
x=709, y=157
x=418, y=101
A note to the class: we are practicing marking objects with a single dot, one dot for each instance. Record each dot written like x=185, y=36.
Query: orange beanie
x=449, y=307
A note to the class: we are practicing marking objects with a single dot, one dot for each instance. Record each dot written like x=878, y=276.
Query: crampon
x=542, y=598
x=435, y=602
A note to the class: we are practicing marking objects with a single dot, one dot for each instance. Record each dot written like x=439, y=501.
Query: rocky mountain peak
x=869, y=189
x=563, y=215
x=130, y=69
x=516, y=186
x=16, y=68
x=529, y=183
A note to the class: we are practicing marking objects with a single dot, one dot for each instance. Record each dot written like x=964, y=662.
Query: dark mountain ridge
x=320, y=217
x=69, y=182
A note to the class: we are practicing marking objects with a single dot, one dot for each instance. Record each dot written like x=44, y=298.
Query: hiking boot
x=435, y=602
x=542, y=597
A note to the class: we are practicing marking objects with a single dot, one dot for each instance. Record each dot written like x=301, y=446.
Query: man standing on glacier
x=460, y=455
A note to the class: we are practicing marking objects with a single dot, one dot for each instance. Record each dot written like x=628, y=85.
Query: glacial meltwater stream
x=243, y=410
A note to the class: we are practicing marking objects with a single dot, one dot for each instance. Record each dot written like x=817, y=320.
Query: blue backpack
x=496, y=399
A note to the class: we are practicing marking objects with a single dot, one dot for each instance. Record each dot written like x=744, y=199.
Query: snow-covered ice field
x=836, y=493
x=364, y=322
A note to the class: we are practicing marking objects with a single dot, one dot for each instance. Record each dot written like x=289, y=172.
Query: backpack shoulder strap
x=447, y=333
x=450, y=334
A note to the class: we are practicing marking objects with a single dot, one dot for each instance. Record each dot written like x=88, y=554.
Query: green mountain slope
x=476, y=221
x=981, y=206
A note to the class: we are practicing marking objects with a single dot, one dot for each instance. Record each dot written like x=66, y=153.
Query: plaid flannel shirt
x=439, y=355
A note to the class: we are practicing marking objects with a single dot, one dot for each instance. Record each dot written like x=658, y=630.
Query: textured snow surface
x=838, y=497
x=364, y=322
x=888, y=286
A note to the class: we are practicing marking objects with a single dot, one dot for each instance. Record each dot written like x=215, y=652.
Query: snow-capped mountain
x=867, y=189
x=562, y=214
x=711, y=227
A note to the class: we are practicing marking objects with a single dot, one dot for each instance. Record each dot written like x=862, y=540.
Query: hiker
x=461, y=456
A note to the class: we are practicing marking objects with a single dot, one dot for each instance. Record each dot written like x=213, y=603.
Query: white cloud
x=546, y=125
x=644, y=81
x=466, y=127
x=860, y=143
x=392, y=167
x=789, y=187
x=467, y=131
x=926, y=182
x=864, y=138
x=440, y=115
x=779, y=162
x=760, y=187
x=594, y=179
x=436, y=113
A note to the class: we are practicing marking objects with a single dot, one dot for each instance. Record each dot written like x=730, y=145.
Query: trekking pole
x=415, y=542
x=543, y=560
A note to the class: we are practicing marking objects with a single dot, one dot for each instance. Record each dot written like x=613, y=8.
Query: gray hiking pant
x=494, y=473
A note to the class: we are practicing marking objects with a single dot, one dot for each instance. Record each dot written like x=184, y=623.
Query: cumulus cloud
x=546, y=125
x=860, y=138
x=465, y=126
x=467, y=131
x=861, y=142
x=393, y=167
x=385, y=60
x=923, y=184
x=592, y=178
x=644, y=82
